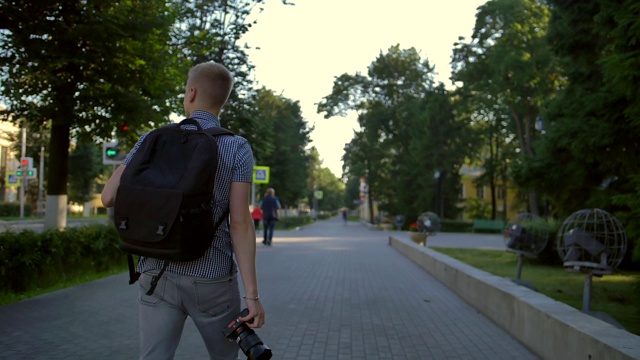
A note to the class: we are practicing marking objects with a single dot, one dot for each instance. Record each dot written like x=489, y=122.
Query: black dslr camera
x=249, y=342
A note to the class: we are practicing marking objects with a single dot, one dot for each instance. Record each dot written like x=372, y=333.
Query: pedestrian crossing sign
x=261, y=174
x=12, y=179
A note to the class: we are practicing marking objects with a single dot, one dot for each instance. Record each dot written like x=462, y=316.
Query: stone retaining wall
x=551, y=329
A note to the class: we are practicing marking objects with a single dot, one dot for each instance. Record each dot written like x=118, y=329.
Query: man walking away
x=205, y=289
x=269, y=205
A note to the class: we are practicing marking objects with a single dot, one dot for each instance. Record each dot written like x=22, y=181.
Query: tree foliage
x=507, y=73
x=408, y=132
x=109, y=69
x=322, y=179
x=588, y=157
x=85, y=164
x=288, y=133
x=86, y=67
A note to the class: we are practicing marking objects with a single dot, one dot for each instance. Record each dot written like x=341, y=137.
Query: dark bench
x=483, y=224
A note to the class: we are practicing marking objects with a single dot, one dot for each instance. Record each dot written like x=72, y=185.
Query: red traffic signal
x=26, y=163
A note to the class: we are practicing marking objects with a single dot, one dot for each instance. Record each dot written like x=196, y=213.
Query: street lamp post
x=539, y=125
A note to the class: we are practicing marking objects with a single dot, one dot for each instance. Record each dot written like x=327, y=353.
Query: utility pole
x=23, y=178
x=40, y=210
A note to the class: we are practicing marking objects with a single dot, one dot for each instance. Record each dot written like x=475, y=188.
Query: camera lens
x=251, y=345
x=247, y=340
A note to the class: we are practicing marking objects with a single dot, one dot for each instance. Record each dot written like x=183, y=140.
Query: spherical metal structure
x=526, y=233
x=592, y=239
x=428, y=223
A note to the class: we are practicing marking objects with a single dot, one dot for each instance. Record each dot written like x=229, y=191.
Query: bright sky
x=302, y=48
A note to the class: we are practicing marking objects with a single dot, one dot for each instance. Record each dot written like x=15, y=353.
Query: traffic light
x=26, y=168
x=112, y=154
x=26, y=163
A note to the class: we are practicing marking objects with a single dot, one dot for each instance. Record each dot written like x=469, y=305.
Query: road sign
x=12, y=179
x=261, y=174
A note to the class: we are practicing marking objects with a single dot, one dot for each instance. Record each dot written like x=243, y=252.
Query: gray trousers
x=211, y=304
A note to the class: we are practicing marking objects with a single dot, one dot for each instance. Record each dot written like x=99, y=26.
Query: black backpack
x=164, y=203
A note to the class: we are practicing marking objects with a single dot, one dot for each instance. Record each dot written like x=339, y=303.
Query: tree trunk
x=533, y=202
x=56, y=214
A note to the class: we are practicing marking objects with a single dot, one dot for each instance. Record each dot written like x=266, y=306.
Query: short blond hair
x=214, y=82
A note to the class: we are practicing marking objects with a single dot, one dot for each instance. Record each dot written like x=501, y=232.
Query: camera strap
x=156, y=278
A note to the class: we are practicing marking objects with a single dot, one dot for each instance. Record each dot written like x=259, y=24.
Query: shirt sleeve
x=127, y=159
x=244, y=164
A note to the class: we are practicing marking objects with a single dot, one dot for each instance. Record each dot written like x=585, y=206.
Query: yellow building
x=473, y=195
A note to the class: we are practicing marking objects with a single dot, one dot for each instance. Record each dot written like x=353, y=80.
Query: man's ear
x=191, y=96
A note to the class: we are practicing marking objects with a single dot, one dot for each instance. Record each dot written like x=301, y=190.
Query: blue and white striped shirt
x=235, y=164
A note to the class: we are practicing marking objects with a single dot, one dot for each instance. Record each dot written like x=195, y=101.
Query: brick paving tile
x=331, y=292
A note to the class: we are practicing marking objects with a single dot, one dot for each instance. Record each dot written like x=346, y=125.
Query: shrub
x=12, y=209
x=455, y=226
x=293, y=222
x=30, y=260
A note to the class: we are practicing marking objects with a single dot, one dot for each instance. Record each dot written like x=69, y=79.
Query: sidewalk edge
x=551, y=329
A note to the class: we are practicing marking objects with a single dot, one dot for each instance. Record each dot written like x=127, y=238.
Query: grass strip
x=11, y=297
x=617, y=295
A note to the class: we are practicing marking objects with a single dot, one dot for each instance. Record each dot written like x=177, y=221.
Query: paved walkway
x=331, y=291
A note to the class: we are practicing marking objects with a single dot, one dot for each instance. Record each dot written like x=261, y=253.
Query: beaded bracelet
x=249, y=298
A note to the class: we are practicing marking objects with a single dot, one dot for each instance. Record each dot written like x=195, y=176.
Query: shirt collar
x=205, y=119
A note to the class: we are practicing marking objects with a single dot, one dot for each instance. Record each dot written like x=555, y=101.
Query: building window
x=501, y=192
x=480, y=192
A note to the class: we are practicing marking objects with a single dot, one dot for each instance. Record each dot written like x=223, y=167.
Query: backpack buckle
x=161, y=228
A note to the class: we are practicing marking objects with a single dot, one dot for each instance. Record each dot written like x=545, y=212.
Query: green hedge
x=12, y=209
x=455, y=226
x=31, y=260
x=293, y=222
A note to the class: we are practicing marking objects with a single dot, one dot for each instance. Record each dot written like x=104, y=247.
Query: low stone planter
x=418, y=238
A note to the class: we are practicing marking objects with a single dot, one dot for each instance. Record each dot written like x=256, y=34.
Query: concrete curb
x=551, y=329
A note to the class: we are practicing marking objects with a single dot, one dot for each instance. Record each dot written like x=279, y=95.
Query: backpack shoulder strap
x=219, y=131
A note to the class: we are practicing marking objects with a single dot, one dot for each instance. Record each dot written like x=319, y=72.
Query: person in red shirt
x=256, y=215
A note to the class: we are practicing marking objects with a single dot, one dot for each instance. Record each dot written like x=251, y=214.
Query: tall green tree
x=322, y=179
x=392, y=78
x=289, y=132
x=429, y=161
x=508, y=68
x=588, y=157
x=408, y=132
x=86, y=67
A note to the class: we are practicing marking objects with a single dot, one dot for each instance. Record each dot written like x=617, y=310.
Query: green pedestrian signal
x=112, y=154
x=28, y=173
